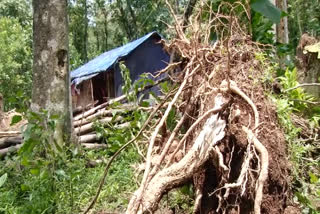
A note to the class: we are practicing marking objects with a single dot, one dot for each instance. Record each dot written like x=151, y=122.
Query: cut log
x=308, y=64
x=10, y=134
x=88, y=127
x=4, y=152
x=99, y=114
x=94, y=146
x=95, y=109
x=80, y=109
x=10, y=141
x=88, y=138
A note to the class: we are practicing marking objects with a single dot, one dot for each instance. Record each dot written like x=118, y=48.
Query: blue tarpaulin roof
x=105, y=60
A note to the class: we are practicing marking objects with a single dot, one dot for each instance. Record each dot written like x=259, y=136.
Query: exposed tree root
x=178, y=173
x=264, y=163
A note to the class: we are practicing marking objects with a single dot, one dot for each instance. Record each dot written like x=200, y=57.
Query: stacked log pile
x=83, y=122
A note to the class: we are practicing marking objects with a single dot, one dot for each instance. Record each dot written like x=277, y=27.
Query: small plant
x=131, y=90
x=298, y=97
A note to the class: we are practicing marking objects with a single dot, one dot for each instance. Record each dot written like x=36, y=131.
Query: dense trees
x=15, y=51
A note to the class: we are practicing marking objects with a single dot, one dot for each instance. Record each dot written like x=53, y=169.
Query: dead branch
x=193, y=126
x=302, y=85
x=157, y=129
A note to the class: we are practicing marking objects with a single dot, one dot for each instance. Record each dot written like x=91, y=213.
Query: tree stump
x=308, y=64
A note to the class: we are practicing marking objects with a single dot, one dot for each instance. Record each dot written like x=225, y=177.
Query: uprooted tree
x=232, y=148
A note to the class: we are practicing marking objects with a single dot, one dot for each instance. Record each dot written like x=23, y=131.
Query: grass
x=68, y=188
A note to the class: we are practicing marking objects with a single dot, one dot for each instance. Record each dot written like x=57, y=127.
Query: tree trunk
x=51, y=79
x=85, y=42
x=282, y=28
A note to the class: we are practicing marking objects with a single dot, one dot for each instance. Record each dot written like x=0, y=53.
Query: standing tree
x=51, y=80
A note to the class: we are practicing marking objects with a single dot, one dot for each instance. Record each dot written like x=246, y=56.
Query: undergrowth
x=303, y=150
x=69, y=188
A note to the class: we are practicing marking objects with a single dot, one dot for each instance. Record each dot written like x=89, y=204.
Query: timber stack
x=11, y=138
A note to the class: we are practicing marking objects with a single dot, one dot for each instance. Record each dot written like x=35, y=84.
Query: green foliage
x=132, y=90
x=181, y=199
x=303, y=17
x=262, y=29
x=297, y=97
x=266, y=8
x=305, y=165
x=115, y=137
x=69, y=187
x=15, y=61
x=3, y=179
x=127, y=83
x=45, y=178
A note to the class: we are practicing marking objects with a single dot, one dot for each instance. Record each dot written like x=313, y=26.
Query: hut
x=100, y=78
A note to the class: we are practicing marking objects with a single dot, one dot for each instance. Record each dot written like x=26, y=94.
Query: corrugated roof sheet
x=105, y=60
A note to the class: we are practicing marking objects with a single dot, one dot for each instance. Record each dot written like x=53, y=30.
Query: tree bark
x=51, y=79
x=282, y=28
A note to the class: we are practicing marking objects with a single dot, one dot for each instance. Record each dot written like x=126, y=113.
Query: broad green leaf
x=267, y=9
x=25, y=187
x=35, y=171
x=3, y=179
x=313, y=178
x=15, y=119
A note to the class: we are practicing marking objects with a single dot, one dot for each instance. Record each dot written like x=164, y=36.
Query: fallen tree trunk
x=80, y=109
